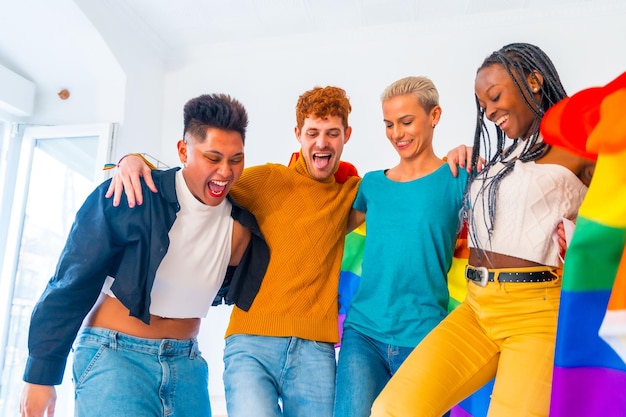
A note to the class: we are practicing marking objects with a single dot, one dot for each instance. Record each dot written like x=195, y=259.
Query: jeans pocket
x=85, y=359
x=325, y=347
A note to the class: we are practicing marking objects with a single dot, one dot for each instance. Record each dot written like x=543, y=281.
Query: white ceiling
x=193, y=23
x=49, y=40
x=184, y=25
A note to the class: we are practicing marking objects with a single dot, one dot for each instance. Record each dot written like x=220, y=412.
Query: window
x=58, y=167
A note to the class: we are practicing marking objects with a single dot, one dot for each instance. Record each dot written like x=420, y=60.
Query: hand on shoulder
x=127, y=179
x=461, y=156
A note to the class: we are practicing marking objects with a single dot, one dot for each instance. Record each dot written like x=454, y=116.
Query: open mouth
x=321, y=160
x=217, y=188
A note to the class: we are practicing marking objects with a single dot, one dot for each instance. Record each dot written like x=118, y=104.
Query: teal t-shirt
x=409, y=242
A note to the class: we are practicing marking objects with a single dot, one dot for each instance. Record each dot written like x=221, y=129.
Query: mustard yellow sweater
x=304, y=222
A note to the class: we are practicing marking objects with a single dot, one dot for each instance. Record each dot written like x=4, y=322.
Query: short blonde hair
x=422, y=88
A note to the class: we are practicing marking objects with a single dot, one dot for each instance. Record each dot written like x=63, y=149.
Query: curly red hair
x=323, y=102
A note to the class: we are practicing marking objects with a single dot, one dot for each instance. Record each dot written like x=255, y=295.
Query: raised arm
x=127, y=179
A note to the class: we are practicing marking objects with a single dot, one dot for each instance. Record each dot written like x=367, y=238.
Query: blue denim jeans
x=364, y=367
x=278, y=376
x=120, y=375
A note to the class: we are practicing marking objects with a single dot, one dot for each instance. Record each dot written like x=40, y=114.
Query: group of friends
x=138, y=273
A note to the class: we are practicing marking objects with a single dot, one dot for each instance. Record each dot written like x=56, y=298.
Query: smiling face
x=408, y=126
x=322, y=141
x=503, y=103
x=212, y=165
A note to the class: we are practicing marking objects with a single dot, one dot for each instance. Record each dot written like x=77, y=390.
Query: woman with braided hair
x=506, y=327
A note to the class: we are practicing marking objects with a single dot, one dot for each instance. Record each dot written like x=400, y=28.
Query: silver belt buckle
x=482, y=271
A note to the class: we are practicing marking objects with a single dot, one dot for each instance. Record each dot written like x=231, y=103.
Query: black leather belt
x=481, y=275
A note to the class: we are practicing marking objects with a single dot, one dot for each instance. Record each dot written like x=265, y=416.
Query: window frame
x=18, y=144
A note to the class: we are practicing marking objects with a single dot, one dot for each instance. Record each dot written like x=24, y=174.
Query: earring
x=535, y=90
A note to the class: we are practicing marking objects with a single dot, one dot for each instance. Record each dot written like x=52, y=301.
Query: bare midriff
x=110, y=313
x=492, y=260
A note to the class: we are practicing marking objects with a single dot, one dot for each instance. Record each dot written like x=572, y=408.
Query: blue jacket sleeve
x=91, y=252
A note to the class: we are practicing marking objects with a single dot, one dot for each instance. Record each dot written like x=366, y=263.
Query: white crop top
x=530, y=202
x=194, y=266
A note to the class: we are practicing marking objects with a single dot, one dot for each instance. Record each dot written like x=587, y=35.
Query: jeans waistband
x=118, y=340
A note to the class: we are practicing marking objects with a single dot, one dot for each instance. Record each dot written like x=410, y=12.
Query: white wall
x=586, y=44
x=141, y=104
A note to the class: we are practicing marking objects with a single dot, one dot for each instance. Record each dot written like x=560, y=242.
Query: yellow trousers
x=502, y=330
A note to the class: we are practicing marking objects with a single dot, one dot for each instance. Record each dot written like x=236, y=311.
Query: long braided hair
x=520, y=60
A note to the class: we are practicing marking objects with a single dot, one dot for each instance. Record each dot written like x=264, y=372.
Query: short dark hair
x=219, y=111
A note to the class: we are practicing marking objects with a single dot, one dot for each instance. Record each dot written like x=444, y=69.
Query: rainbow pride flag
x=590, y=369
